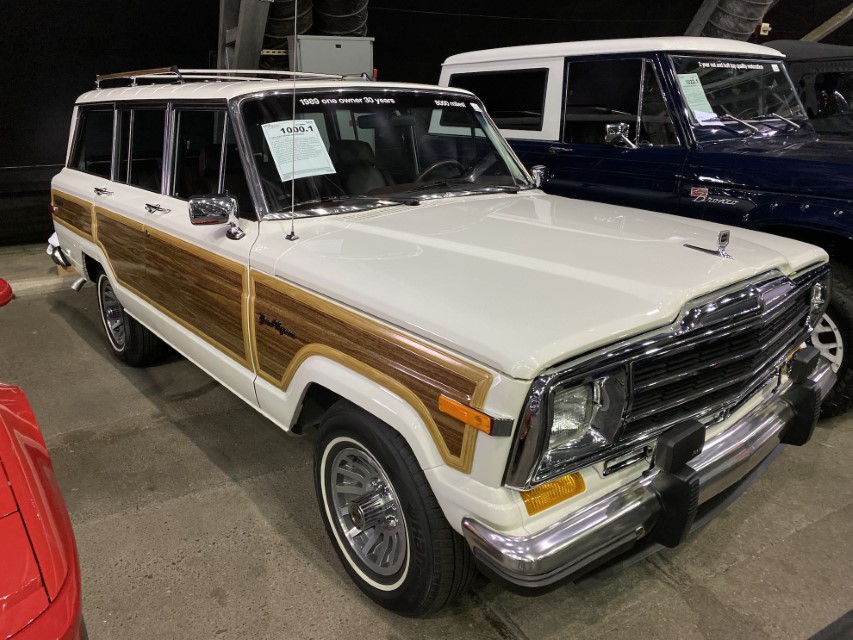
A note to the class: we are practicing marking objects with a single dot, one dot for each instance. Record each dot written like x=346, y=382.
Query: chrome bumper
x=615, y=522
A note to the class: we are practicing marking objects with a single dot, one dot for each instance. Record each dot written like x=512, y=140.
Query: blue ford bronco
x=697, y=127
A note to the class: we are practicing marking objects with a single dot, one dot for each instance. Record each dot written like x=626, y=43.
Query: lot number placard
x=299, y=141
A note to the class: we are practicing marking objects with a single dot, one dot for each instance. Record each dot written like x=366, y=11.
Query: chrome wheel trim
x=112, y=313
x=349, y=474
x=827, y=338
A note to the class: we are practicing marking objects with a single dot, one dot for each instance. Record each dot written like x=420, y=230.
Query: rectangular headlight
x=584, y=418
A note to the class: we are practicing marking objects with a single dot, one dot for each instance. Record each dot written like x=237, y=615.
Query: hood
x=522, y=282
x=797, y=164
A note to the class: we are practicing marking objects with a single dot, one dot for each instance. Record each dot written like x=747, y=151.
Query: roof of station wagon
x=224, y=90
x=625, y=45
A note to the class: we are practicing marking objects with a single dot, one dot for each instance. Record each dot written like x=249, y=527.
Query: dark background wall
x=51, y=50
x=413, y=38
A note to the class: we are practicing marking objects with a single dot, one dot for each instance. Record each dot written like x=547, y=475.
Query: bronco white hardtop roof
x=678, y=44
x=212, y=84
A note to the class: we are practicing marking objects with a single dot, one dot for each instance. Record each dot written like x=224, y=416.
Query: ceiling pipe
x=736, y=19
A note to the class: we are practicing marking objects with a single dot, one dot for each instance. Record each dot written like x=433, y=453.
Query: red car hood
x=37, y=548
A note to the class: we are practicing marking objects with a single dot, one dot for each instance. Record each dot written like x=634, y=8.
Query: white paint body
x=515, y=283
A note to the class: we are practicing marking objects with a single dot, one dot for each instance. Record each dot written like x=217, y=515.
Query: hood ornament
x=722, y=243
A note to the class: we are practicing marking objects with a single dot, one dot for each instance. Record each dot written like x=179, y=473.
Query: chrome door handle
x=555, y=150
x=100, y=191
x=156, y=208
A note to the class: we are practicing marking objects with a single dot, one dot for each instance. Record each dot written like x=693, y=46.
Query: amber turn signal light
x=463, y=413
x=551, y=493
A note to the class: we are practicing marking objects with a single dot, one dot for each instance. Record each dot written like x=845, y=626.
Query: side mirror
x=540, y=174
x=618, y=132
x=216, y=209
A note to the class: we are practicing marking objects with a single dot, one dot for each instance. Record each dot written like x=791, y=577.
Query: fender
x=360, y=388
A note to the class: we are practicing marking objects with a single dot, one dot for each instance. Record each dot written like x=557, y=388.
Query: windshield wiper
x=729, y=116
x=471, y=186
x=796, y=125
x=412, y=202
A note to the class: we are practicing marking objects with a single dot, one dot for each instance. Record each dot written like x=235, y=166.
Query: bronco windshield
x=721, y=89
x=348, y=150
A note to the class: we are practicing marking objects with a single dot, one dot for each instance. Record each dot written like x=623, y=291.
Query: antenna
x=292, y=235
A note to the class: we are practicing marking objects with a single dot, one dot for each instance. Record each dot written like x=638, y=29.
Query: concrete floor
x=195, y=518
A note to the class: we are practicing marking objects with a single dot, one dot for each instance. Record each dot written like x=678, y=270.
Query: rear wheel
x=129, y=341
x=833, y=336
x=384, y=521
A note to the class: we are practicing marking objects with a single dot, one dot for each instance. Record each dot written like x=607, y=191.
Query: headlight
x=584, y=418
x=572, y=413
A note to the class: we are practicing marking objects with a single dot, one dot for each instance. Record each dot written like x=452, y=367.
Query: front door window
x=624, y=95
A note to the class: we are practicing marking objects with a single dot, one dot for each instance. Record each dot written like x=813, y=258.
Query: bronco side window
x=656, y=126
x=601, y=93
x=605, y=95
x=94, y=143
x=515, y=99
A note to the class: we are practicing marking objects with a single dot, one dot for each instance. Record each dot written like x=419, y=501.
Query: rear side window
x=94, y=145
x=140, y=150
x=515, y=99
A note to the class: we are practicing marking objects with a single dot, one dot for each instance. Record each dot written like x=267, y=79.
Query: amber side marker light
x=469, y=416
x=551, y=493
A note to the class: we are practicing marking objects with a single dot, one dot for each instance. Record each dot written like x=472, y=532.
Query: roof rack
x=174, y=74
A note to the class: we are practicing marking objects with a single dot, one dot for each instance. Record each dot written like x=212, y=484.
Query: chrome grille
x=716, y=369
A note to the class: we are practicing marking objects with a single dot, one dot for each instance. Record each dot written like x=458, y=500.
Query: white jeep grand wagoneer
x=532, y=385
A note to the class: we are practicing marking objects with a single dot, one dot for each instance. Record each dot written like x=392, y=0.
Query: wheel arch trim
x=375, y=392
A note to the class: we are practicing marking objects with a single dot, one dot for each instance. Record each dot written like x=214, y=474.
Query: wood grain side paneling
x=290, y=325
x=72, y=212
x=202, y=290
x=123, y=242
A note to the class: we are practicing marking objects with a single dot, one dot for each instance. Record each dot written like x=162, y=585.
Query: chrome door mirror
x=540, y=174
x=618, y=132
x=216, y=209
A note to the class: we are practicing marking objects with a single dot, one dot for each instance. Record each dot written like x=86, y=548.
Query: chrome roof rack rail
x=174, y=74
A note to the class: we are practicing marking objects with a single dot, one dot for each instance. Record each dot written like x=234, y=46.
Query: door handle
x=555, y=150
x=100, y=191
x=156, y=208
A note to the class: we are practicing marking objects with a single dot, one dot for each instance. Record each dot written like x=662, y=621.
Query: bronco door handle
x=555, y=150
x=156, y=208
x=100, y=191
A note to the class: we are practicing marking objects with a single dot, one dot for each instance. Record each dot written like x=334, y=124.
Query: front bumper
x=614, y=523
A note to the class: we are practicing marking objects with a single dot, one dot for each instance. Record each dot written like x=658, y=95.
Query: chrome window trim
x=530, y=443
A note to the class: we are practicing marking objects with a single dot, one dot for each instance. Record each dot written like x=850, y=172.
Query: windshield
x=718, y=89
x=357, y=148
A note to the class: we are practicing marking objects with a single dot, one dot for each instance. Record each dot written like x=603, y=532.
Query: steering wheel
x=435, y=165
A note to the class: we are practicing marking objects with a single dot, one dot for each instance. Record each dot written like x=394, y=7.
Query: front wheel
x=129, y=341
x=384, y=521
x=833, y=336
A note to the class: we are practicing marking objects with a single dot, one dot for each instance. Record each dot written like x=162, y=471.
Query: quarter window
x=93, y=151
x=515, y=99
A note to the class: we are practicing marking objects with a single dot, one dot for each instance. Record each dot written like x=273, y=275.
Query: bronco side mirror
x=618, y=132
x=539, y=172
x=216, y=209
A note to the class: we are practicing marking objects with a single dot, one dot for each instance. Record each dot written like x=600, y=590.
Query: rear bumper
x=616, y=522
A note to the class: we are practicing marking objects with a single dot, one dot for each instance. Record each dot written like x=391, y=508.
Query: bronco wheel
x=832, y=334
x=383, y=520
x=129, y=341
